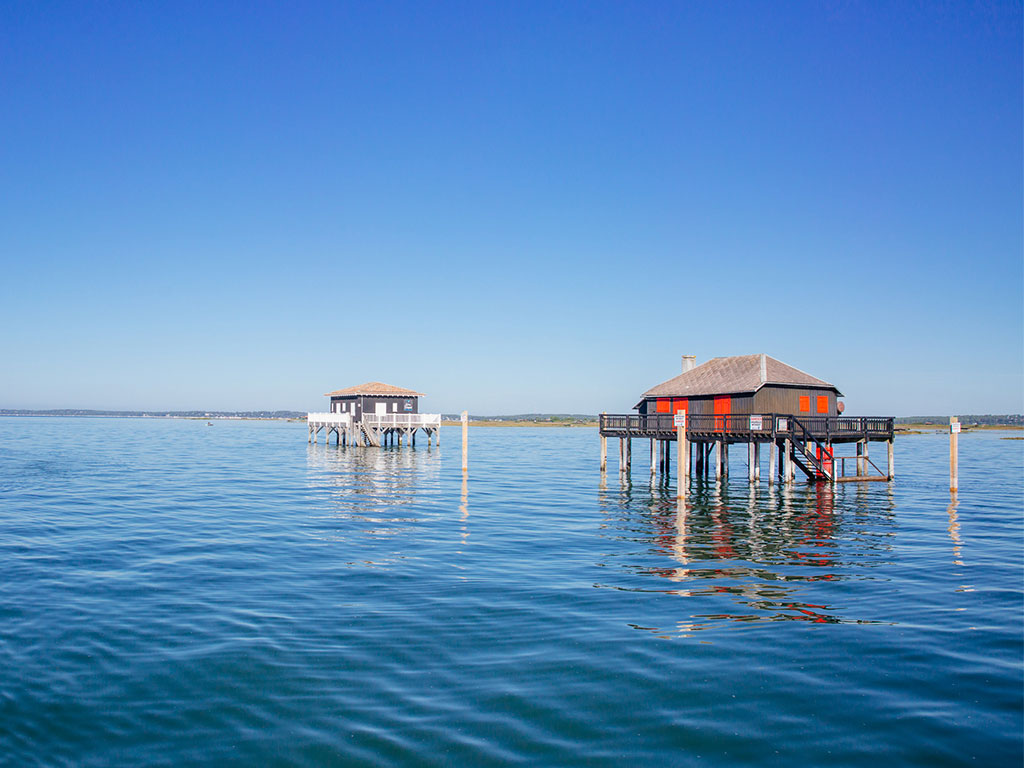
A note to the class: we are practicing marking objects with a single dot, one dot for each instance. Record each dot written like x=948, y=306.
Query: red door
x=723, y=407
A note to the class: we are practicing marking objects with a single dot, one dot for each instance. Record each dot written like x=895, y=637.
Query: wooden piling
x=654, y=464
x=683, y=479
x=465, y=441
x=771, y=462
x=604, y=453
x=892, y=463
x=954, y=457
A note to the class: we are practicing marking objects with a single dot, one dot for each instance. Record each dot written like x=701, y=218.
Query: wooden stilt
x=860, y=458
x=465, y=441
x=725, y=458
x=629, y=455
x=718, y=460
x=682, y=480
x=604, y=453
x=654, y=465
x=954, y=454
x=771, y=462
x=892, y=463
x=757, y=462
x=750, y=462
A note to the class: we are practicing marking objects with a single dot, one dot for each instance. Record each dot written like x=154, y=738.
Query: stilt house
x=753, y=400
x=374, y=397
x=374, y=414
x=742, y=384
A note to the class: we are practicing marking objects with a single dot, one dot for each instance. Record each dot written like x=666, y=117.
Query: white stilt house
x=374, y=414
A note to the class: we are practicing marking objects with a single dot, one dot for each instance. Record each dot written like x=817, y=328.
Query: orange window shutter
x=805, y=404
x=680, y=405
x=822, y=403
x=664, y=405
x=723, y=405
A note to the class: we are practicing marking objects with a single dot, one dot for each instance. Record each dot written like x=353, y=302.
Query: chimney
x=689, y=362
x=764, y=367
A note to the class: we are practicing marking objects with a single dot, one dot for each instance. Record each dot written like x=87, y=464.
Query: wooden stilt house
x=374, y=414
x=743, y=384
x=751, y=399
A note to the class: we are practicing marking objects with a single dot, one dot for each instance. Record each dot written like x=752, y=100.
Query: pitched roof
x=735, y=375
x=374, y=388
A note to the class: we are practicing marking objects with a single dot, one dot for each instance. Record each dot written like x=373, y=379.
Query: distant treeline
x=540, y=418
x=566, y=418
x=988, y=419
x=159, y=414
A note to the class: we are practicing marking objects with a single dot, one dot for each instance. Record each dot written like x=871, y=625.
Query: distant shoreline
x=903, y=427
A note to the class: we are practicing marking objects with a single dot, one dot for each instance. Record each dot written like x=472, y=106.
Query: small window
x=805, y=403
x=394, y=407
x=822, y=403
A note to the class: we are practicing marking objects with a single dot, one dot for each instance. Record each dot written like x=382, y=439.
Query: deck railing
x=762, y=426
x=396, y=420
x=329, y=418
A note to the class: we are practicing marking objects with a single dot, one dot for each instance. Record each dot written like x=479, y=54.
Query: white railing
x=329, y=418
x=385, y=420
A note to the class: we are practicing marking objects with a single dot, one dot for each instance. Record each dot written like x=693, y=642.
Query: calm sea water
x=173, y=593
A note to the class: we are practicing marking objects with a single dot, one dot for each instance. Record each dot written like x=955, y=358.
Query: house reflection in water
x=359, y=497
x=767, y=557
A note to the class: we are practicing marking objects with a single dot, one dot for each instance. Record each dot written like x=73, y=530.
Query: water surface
x=178, y=594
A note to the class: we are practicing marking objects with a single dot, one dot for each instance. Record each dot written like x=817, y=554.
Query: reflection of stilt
x=464, y=507
x=954, y=530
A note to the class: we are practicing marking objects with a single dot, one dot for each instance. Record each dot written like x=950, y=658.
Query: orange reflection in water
x=760, y=558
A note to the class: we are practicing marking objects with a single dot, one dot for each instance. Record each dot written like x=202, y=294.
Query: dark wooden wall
x=367, y=404
x=769, y=399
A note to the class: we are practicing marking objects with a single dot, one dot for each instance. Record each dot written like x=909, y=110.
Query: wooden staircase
x=814, y=458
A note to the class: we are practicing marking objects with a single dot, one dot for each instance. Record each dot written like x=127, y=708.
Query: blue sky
x=509, y=206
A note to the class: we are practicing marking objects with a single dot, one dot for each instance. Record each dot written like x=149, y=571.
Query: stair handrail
x=801, y=440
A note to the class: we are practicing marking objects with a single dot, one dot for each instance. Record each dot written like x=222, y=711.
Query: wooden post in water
x=787, y=463
x=954, y=458
x=629, y=455
x=604, y=453
x=718, y=460
x=757, y=462
x=654, y=464
x=892, y=462
x=771, y=462
x=465, y=441
x=860, y=458
x=683, y=474
x=750, y=462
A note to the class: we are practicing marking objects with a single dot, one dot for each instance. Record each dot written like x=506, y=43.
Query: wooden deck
x=374, y=429
x=745, y=428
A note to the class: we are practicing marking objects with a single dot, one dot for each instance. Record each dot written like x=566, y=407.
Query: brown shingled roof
x=735, y=375
x=375, y=388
